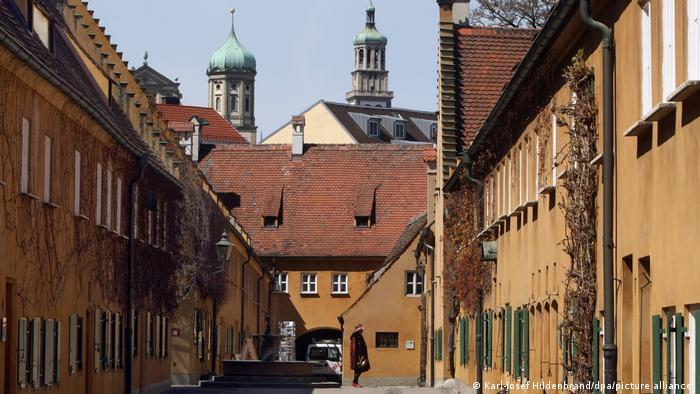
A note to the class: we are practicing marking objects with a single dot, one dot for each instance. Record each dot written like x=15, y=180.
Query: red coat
x=359, y=360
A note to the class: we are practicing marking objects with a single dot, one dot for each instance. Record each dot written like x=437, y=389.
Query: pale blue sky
x=303, y=48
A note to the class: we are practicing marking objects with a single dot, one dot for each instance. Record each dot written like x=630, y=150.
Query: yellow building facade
x=522, y=189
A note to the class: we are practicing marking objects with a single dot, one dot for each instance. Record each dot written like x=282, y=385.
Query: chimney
x=460, y=12
x=198, y=123
x=298, y=123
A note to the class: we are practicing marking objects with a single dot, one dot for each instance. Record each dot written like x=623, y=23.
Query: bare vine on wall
x=466, y=276
x=580, y=211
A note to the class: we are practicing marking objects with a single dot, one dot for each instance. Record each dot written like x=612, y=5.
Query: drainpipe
x=257, y=301
x=609, y=347
x=128, y=365
x=247, y=260
x=431, y=257
x=214, y=339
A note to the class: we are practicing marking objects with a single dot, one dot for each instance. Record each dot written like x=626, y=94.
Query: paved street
x=369, y=390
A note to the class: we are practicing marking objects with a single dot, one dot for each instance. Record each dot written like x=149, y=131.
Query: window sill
x=531, y=203
x=102, y=226
x=2, y=183
x=340, y=295
x=687, y=90
x=659, y=112
x=29, y=196
x=50, y=204
x=562, y=174
x=82, y=217
x=483, y=233
x=309, y=295
x=414, y=295
x=547, y=189
x=281, y=292
x=598, y=160
x=637, y=129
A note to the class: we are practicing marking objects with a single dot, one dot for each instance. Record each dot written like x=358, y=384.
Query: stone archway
x=318, y=334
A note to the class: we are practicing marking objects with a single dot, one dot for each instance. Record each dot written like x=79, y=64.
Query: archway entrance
x=321, y=334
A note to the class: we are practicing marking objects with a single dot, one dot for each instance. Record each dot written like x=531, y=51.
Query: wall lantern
x=489, y=251
x=223, y=249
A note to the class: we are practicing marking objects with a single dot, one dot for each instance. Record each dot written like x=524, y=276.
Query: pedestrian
x=358, y=354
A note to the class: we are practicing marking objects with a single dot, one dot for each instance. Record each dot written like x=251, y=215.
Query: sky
x=303, y=48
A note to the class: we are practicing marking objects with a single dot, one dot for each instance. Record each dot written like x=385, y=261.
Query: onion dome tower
x=370, y=79
x=231, y=72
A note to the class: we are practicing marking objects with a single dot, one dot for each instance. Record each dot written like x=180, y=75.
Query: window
x=399, y=130
x=668, y=64
x=340, y=284
x=433, y=131
x=270, y=221
x=75, y=344
x=47, y=169
x=646, y=57
x=41, y=26
x=98, y=195
x=387, y=340
x=25, y=159
x=362, y=221
x=108, y=216
x=308, y=283
x=281, y=282
x=218, y=104
x=247, y=102
x=373, y=127
x=414, y=283
x=233, y=102
x=118, y=224
x=362, y=58
x=77, y=184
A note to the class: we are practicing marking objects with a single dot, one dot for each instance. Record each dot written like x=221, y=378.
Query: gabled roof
x=152, y=81
x=486, y=59
x=320, y=195
x=409, y=234
x=64, y=68
x=219, y=130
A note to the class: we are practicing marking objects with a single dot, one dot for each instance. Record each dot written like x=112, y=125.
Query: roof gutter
x=24, y=55
x=556, y=21
x=466, y=163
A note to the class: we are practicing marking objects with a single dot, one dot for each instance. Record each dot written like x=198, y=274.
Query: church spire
x=370, y=14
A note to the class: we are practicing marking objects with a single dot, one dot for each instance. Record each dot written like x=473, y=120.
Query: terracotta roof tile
x=486, y=59
x=320, y=195
x=218, y=129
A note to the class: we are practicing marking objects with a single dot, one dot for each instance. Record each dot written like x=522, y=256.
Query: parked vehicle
x=327, y=359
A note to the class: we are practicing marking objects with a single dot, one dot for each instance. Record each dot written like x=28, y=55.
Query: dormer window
x=362, y=221
x=373, y=127
x=42, y=27
x=273, y=209
x=270, y=221
x=399, y=130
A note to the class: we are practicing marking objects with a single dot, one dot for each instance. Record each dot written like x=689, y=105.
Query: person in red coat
x=358, y=354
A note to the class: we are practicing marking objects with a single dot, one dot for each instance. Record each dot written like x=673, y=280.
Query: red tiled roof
x=320, y=197
x=218, y=129
x=486, y=59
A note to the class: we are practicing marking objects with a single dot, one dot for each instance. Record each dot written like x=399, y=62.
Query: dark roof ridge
x=378, y=108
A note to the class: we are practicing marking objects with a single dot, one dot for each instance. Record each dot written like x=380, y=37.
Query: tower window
x=233, y=103
x=247, y=87
x=373, y=128
x=247, y=104
x=218, y=88
x=218, y=104
x=399, y=130
x=362, y=57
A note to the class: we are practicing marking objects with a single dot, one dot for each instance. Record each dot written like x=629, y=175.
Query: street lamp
x=223, y=249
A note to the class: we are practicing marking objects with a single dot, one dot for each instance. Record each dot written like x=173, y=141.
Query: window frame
x=25, y=156
x=402, y=126
x=414, y=284
x=48, y=167
x=309, y=282
x=279, y=282
x=388, y=340
x=373, y=122
x=339, y=283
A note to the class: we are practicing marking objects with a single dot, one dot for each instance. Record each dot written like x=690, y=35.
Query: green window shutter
x=516, y=344
x=656, y=332
x=696, y=372
x=466, y=341
x=526, y=343
x=22, y=352
x=680, y=331
x=490, y=341
x=503, y=340
x=508, y=336
x=461, y=341
x=669, y=333
x=596, y=352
